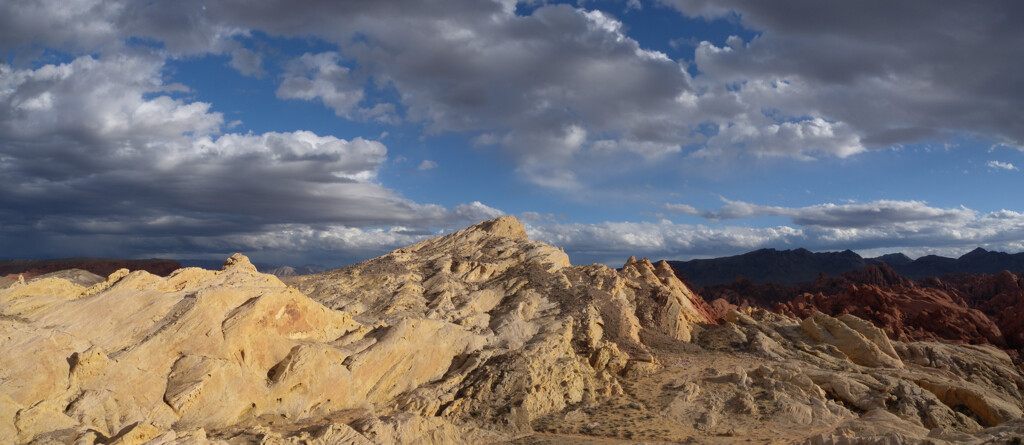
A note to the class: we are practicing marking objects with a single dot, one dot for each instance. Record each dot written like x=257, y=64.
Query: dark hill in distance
x=791, y=267
x=98, y=266
x=976, y=261
x=786, y=267
x=31, y=268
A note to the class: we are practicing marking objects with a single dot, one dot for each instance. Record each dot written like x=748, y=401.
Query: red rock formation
x=904, y=312
x=746, y=292
x=1000, y=296
x=99, y=266
x=966, y=307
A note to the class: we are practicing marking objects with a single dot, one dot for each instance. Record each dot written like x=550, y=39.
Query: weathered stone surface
x=958, y=387
x=848, y=335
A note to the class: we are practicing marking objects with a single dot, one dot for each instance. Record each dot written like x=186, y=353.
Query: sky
x=324, y=132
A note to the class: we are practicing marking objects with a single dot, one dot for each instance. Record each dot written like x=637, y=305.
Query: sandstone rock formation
x=553, y=334
x=479, y=336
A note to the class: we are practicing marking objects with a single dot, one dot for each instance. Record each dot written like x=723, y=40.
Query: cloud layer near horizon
x=912, y=227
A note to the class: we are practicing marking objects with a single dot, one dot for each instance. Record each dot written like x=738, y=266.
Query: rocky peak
x=978, y=252
x=238, y=261
x=505, y=226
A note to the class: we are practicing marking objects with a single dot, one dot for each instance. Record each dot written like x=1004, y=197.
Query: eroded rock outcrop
x=903, y=389
x=139, y=348
x=555, y=334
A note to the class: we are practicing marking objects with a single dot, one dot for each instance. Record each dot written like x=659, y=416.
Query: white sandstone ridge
x=479, y=329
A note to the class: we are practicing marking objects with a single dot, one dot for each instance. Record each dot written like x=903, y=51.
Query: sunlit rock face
x=478, y=336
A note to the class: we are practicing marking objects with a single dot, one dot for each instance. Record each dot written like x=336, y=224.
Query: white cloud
x=997, y=165
x=552, y=88
x=899, y=226
x=801, y=140
x=99, y=98
x=426, y=165
x=612, y=242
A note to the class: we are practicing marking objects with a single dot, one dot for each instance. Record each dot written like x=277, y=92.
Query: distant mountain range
x=797, y=266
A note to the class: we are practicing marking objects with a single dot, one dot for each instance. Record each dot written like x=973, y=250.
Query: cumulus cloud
x=97, y=98
x=998, y=165
x=97, y=151
x=805, y=140
x=322, y=77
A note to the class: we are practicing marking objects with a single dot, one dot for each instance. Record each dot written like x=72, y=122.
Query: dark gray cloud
x=75, y=25
x=247, y=62
x=322, y=77
x=880, y=213
x=894, y=72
